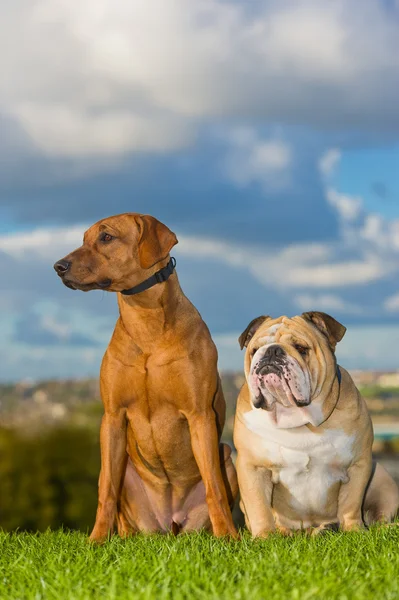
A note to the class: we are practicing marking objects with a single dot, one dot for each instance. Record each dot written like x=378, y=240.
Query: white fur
x=306, y=463
x=270, y=336
x=285, y=415
x=282, y=417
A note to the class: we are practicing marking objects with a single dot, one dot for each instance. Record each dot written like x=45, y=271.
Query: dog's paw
x=100, y=535
x=97, y=539
x=324, y=528
x=264, y=533
x=352, y=525
x=285, y=531
x=226, y=531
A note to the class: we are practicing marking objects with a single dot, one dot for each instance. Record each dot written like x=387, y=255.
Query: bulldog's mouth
x=86, y=287
x=275, y=384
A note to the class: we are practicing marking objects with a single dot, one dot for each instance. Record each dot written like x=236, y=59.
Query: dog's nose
x=62, y=266
x=271, y=358
x=274, y=352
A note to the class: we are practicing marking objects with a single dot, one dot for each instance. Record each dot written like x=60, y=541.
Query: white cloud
x=315, y=266
x=102, y=77
x=63, y=130
x=296, y=266
x=366, y=252
x=381, y=234
x=56, y=327
x=251, y=159
x=42, y=242
x=329, y=161
x=391, y=304
x=327, y=302
x=349, y=207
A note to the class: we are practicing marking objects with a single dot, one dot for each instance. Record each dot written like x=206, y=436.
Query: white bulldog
x=303, y=433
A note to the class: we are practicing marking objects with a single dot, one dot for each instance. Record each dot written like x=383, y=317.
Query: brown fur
x=162, y=465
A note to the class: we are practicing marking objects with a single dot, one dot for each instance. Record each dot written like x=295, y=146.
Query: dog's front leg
x=351, y=494
x=256, y=497
x=205, y=445
x=113, y=466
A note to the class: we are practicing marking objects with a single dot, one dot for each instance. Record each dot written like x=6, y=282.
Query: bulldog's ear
x=155, y=240
x=249, y=332
x=332, y=329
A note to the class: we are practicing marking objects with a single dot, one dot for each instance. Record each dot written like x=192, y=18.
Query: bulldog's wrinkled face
x=289, y=364
x=116, y=253
x=279, y=370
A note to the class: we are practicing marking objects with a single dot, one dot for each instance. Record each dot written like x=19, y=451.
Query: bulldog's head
x=290, y=366
x=117, y=253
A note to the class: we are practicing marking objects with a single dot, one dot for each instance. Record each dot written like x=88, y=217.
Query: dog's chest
x=305, y=463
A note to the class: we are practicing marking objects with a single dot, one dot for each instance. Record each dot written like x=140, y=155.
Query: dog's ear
x=332, y=329
x=155, y=240
x=249, y=332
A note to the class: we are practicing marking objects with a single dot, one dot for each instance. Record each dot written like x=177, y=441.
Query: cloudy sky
x=265, y=134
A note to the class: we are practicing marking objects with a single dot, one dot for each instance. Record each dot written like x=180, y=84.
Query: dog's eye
x=106, y=237
x=301, y=349
x=253, y=352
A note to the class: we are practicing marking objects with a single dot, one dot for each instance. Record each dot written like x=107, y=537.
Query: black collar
x=158, y=277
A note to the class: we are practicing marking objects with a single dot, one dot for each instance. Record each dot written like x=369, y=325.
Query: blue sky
x=266, y=135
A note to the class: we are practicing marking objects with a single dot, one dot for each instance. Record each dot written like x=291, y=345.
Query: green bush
x=49, y=480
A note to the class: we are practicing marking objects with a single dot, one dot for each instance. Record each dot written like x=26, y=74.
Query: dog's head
x=290, y=364
x=117, y=253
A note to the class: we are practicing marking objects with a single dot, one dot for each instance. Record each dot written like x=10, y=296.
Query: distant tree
x=48, y=480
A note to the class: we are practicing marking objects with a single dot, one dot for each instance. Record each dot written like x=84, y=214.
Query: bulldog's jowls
x=303, y=433
x=162, y=465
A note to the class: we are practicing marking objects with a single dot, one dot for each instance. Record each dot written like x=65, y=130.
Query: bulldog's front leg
x=256, y=488
x=351, y=494
x=113, y=466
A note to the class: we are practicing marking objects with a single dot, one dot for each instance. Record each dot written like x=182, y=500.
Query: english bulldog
x=303, y=433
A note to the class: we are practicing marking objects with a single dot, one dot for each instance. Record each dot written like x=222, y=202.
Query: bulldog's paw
x=264, y=533
x=285, y=531
x=324, y=528
x=352, y=525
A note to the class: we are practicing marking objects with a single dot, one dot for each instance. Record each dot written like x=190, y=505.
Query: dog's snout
x=271, y=360
x=274, y=353
x=62, y=266
x=263, y=369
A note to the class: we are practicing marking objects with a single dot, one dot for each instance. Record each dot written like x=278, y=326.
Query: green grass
x=336, y=566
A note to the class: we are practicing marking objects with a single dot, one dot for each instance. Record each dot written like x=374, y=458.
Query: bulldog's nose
x=62, y=266
x=274, y=353
x=272, y=358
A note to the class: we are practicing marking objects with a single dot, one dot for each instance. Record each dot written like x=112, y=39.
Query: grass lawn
x=335, y=566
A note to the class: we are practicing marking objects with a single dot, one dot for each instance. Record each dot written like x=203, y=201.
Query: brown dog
x=162, y=465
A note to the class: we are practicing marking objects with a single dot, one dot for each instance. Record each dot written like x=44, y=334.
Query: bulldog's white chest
x=307, y=464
